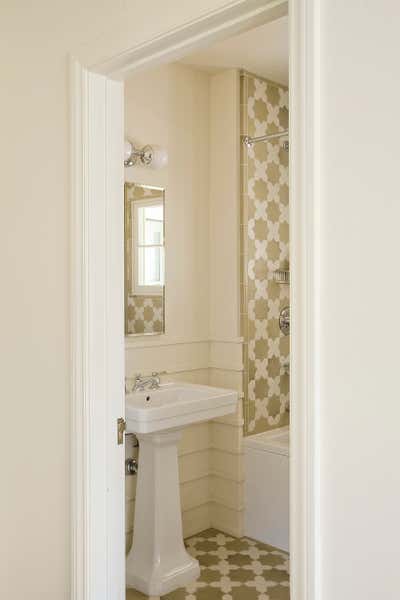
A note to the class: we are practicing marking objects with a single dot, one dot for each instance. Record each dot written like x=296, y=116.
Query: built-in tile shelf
x=281, y=276
x=286, y=368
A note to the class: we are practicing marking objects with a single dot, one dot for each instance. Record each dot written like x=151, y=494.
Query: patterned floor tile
x=233, y=569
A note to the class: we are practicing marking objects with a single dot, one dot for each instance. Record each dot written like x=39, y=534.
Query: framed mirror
x=144, y=259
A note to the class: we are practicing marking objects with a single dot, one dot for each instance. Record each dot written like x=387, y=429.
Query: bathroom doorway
x=221, y=114
x=243, y=256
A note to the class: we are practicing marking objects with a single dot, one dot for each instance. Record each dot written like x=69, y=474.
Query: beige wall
x=359, y=478
x=196, y=117
x=224, y=205
x=35, y=40
x=168, y=106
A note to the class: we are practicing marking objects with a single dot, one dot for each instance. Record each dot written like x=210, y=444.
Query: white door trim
x=97, y=293
x=97, y=226
x=216, y=25
x=304, y=299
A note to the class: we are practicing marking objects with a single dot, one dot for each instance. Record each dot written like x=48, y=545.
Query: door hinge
x=121, y=427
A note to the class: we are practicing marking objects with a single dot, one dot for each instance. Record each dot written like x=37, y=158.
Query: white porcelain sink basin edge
x=175, y=405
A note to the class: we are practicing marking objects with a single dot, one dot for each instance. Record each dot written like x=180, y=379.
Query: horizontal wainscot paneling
x=226, y=437
x=227, y=520
x=227, y=465
x=196, y=520
x=194, y=465
x=195, y=438
x=196, y=376
x=234, y=419
x=227, y=492
x=195, y=493
x=231, y=380
x=173, y=358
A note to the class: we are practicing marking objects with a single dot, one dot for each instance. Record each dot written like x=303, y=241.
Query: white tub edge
x=268, y=441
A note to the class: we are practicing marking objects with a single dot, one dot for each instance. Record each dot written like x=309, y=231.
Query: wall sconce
x=148, y=156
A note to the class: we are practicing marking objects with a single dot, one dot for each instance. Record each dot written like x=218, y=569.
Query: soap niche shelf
x=281, y=276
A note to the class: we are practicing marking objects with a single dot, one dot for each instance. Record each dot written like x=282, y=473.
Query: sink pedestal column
x=158, y=562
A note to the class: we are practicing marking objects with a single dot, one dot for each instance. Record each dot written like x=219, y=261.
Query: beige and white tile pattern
x=232, y=569
x=145, y=314
x=264, y=248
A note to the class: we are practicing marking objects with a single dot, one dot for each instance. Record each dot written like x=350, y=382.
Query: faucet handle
x=156, y=377
x=130, y=383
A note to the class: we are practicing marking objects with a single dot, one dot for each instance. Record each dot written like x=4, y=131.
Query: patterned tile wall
x=145, y=314
x=264, y=248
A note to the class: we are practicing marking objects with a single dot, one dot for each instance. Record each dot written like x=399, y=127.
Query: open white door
x=97, y=227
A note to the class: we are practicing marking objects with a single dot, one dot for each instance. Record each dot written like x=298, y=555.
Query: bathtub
x=266, y=463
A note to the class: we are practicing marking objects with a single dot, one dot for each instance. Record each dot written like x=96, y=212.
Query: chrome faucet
x=151, y=382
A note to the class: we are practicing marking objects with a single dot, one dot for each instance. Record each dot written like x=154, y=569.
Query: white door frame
x=97, y=335
x=98, y=536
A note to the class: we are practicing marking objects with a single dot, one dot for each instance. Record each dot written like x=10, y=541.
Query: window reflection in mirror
x=144, y=259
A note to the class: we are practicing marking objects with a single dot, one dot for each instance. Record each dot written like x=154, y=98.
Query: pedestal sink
x=158, y=562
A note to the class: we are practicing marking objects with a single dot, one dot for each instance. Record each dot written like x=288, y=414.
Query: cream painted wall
x=35, y=40
x=196, y=117
x=359, y=241
x=224, y=205
x=168, y=106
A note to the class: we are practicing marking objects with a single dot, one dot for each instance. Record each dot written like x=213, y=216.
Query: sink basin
x=176, y=405
x=158, y=562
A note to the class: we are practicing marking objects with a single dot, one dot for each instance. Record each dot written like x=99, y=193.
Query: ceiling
x=263, y=51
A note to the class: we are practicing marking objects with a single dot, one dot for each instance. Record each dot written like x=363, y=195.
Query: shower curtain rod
x=249, y=141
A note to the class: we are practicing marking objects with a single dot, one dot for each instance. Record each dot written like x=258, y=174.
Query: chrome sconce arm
x=148, y=156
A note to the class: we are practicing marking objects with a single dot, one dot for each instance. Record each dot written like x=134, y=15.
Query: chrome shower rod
x=249, y=141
